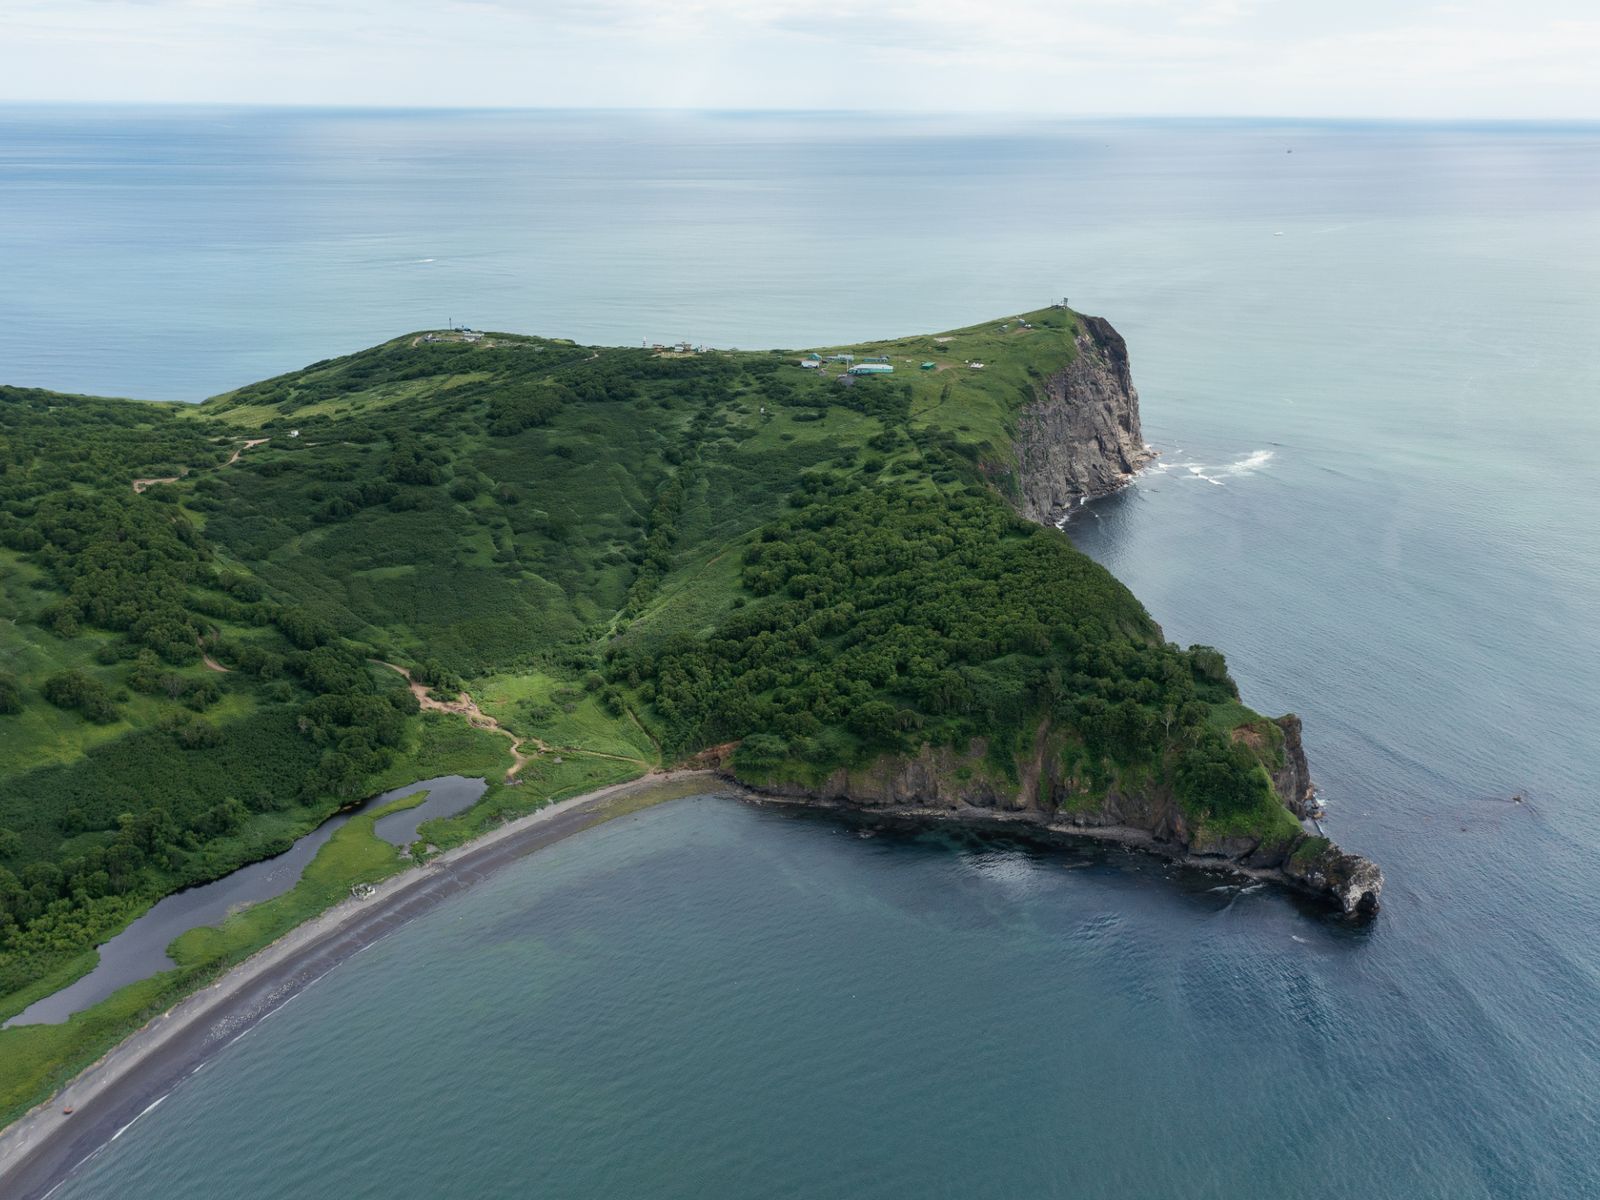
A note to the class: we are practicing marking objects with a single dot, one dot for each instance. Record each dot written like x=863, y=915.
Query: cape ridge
x=833, y=574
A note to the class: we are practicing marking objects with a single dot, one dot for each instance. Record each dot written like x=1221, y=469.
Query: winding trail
x=250, y=444
x=465, y=706
x=139, y=485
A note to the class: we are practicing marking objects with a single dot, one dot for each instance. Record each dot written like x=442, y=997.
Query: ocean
x=1365, y=353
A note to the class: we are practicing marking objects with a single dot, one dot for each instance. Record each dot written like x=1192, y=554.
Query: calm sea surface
x=1370, y=365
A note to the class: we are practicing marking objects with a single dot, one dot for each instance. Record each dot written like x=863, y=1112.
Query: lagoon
x=140, y=950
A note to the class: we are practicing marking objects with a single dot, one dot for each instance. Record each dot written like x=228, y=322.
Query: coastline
x=41, y=1147
x=1033, y=828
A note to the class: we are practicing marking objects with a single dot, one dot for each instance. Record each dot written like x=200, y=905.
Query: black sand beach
x=41, y=1148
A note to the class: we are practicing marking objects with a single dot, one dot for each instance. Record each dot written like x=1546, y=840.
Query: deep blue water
x=1370, y=367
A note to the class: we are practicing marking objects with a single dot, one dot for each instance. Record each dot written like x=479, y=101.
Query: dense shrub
x=86, y=695
x=888, y=616
x=10, y=694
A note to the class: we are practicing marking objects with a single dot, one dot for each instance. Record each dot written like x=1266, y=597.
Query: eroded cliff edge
x=945, y=784
x=1079, y=437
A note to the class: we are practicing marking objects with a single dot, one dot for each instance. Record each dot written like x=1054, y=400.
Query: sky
x=1356, y=58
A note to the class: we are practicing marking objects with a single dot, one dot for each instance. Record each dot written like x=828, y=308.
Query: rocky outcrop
x=1293, y=780
x=950, y=785
x=1320, y=867
x=1080, y=436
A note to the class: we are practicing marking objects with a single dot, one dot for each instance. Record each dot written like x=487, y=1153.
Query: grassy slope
x=519, y=558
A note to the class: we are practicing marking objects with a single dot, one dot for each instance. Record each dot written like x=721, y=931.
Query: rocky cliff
x=1292, y=780
x=1079, y=437
x=948, y=784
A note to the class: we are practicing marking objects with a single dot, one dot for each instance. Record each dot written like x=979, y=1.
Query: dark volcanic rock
x=950, y=784
x=1293, y=779
x=1323, y=869
x=1080, y=437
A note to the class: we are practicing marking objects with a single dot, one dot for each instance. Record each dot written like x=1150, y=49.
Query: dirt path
x=249, y=445
x=465, y=706
x=139, y=485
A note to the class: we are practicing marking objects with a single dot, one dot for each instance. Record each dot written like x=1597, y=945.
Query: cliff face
x=1077, y=439
x=949, y=784
x=1292, y=781
x=1080, y=436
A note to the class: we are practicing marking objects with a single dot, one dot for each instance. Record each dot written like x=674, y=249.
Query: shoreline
x=1031, y=828
x=40, y=1148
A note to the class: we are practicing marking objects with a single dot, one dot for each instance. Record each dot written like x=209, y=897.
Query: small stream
x=140, y=950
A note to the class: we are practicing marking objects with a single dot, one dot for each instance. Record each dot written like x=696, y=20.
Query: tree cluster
x=885, y=617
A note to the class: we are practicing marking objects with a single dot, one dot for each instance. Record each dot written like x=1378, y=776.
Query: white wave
x=159, y=1100
x=1198, y=471
x=1253, y=461
x=1247, y=465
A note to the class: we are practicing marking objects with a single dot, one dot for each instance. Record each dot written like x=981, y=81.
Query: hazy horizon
x=1365, y=59
x=984, y=116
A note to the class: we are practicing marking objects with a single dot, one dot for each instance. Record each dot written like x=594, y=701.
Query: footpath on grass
x=465, y=706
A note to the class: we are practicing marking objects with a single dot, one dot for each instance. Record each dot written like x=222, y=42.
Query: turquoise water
x=1369, y=367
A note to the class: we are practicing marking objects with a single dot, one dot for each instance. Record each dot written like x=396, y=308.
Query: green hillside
x=623, y=556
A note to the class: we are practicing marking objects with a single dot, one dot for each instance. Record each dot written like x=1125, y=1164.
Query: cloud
x=1359, y=57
